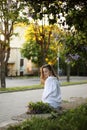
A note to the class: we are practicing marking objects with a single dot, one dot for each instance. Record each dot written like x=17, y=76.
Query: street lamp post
x=58, y=61
x=58, y=54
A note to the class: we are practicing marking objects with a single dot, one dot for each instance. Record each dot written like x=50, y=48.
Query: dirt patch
x=74, y=102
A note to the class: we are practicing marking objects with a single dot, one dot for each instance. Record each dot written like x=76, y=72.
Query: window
x=21, y=62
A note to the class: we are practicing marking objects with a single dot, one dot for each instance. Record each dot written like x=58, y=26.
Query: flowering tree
x=41, y=46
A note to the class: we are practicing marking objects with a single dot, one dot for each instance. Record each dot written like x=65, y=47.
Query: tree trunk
x=0, y=74
x=68, y=72
x=3, y=83
x=2, y=67
x=0, y=63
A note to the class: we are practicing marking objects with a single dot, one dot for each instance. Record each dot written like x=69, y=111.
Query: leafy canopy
x=35, y=45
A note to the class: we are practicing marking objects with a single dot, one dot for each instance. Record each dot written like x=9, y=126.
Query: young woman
x=52, y=92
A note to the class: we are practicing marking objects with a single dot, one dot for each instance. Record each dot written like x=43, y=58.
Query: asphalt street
x=16, y=82
x=15, y=103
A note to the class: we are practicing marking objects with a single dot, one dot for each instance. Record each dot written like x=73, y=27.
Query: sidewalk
x=14, y=104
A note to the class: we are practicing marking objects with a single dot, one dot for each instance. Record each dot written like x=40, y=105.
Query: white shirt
x=52, y=93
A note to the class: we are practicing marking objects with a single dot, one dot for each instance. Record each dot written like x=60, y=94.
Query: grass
x=24, y=88
x=73, y=83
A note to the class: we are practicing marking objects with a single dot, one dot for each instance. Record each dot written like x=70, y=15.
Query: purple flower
x=74, y=56
x=71, y=57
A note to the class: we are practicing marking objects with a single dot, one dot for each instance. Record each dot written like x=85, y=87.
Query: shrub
x=74, y=119
x=39, y=108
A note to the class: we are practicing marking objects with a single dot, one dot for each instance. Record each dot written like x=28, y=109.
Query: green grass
x=73, y=83
x=24, y=88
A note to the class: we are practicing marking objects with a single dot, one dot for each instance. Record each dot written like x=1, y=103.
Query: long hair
x=50, y=68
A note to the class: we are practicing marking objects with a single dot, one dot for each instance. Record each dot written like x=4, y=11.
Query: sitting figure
x=52, y=92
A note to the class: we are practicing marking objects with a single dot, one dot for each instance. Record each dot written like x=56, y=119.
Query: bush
x=39, y=108
x=74, y=119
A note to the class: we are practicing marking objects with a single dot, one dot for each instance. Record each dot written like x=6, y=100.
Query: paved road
x=14, y=82
x=13, y=104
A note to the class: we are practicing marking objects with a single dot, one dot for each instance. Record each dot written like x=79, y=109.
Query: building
x=18, y=65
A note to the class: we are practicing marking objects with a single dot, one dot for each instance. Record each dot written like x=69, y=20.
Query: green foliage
x=40, y=46
x=41, y=7
x=31, y=50
x=76, y=45
x=74, y=119
x=9, y=16
x=39, y=108
x=16, y=127
x=77, y=12
x=76, y=15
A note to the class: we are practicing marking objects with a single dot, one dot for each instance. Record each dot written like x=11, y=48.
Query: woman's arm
x=49, y=88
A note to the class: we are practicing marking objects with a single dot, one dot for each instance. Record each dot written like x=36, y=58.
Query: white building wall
x=15, y=55
x=14, y=63
x=14, y=68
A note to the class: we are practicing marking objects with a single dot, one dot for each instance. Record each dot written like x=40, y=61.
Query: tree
x=76, y=16
x=75, y=13
x=9, y=15
x=40, y=45
x=39, y=8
